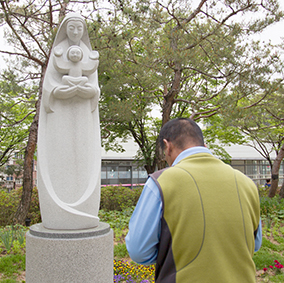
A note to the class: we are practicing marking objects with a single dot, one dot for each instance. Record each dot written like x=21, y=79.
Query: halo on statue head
x=62, y=31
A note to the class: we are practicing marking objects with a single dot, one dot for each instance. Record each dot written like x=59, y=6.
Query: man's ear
x=168, y=146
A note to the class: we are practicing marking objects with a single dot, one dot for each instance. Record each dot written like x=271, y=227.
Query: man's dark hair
x=181, y=132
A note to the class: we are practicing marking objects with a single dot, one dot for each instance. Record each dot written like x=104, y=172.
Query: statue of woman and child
x=69, y=144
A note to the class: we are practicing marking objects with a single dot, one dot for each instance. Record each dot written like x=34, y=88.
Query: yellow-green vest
x=210, y=214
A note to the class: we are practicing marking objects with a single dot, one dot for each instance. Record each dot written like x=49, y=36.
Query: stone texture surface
x=69, y=142
x=83, y=256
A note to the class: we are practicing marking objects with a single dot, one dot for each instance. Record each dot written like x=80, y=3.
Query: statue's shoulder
x=58, y=50
x=94, y=55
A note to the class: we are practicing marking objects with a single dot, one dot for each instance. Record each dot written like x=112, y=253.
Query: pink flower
x=276, y=261
x=270, y=266
x=264, y=269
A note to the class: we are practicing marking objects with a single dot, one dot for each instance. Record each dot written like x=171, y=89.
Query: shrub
x=112, y=198
x=118, y=197
x=117, y=220
x=9, y=203
x=271, y=206
x=34, y=210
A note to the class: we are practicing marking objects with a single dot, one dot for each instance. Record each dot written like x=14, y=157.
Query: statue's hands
x=65, y=91
x=86, y=91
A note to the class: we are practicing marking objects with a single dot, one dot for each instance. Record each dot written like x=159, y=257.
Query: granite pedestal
x=61, y=256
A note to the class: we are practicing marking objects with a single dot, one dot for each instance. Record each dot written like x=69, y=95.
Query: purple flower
x=117, y=278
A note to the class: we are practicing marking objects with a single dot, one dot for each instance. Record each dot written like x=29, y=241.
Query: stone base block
x=73, y=256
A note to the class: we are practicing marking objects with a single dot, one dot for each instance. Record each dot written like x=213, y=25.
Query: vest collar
x=191, y=151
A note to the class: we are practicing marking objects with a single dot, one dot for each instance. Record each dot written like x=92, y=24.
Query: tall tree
x=274, y=107
x=260, y=127
x=264, y=126
x=188, y=61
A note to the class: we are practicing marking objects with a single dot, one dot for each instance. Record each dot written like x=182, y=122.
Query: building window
x=251, y=168
x=112, y=175
x=124, y=173
x=139, y=176
x=239, y=165
x=264, y=169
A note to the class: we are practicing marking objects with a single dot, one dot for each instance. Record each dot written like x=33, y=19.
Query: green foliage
x=120, y=251
x=272, y=246
x=182, y=63
x=7, y=237
x=116, y=219
x=13, y=263
x=21, y=236
x=17, y=101
x=34, y=210
x=10, y=265
x=13, y=238
x=9, y=204
x=118, y=198
x=265, y=257
x=271, y=206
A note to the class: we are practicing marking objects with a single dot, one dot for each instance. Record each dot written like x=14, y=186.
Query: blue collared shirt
x=145, y=224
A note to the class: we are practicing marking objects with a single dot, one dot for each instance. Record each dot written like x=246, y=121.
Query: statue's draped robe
x=69, y=152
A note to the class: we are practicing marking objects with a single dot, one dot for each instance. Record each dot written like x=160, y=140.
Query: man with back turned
x=199, y=219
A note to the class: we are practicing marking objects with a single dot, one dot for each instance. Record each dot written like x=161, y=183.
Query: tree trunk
x=275, y=172
x=24, y=204
x=149, y=168
x=281, y=194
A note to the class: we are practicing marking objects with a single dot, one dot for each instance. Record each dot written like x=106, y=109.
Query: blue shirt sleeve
x=258, y=238
x=145, y=225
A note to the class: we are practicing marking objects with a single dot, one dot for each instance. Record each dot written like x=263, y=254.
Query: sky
x=275, y=33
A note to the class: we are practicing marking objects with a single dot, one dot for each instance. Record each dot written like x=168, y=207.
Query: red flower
x=270, y=266
x=276, y=261
x=264, y=269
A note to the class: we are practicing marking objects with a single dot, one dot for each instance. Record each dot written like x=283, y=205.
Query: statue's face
x=75, y=31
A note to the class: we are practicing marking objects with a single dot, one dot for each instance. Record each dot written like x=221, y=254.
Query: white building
x=121, y=168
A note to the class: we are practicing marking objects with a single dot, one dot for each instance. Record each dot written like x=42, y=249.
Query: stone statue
x=69, y=144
